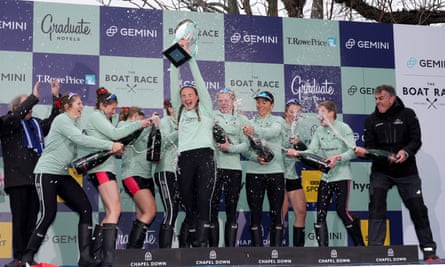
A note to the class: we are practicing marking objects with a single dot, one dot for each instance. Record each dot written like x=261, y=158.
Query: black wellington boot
x=276, y=235
x=137, y=234
x=184, y=236
x=230, y=231
x=84, y=242
x=165, y=236
x=214, y=235
x=321, y=231
x=96, y=245
x=299, y=236
x=109, y=231
x=256, y=236
x=202, y=234
x=33, y=246
x=355, y=233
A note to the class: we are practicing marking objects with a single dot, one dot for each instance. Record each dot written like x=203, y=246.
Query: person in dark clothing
x=21, y=136
x=395, y=128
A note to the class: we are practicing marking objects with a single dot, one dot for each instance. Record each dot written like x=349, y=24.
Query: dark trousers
x=324, y=197
x=228, y=182
x=48, y=187
x=410, y=191
x=24, y=204
x=196, y=179
x=168, y=189
x=256, y=187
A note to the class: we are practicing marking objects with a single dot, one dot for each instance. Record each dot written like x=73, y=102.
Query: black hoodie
x=398, y=128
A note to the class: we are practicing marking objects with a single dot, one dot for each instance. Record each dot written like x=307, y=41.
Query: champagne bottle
x=300, y=146
x=88, y=162
x=381, y=155
x=219, y=134
x=154, y=145
x=314, y=161
x=260, y=147
x=129, y=139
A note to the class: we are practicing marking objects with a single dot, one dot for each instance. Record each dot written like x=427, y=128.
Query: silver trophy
x=185, y=30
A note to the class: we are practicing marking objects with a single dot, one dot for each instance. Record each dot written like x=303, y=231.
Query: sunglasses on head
x=293, y=101
x=111, y=97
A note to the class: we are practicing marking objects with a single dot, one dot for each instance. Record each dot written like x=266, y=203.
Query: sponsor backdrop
x=312, y=60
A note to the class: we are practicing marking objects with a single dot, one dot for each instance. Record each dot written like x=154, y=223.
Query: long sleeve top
x=325, y=143
x=192, y=133
x=99, y=126
x=134, y=159
x=233, y=126
x=62, y=143
x=169, y=145
x=268, y=128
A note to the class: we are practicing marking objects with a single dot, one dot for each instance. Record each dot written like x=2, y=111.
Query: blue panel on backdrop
x=253, y=39
x=367, y=45
x=16, y=25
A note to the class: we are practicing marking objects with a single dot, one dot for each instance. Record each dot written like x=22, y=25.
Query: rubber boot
x=165, y=236
x=33, y=246
x=230, y=231
x=298, y=236
x=214, y=235
x=183, y=236
x=256, y=236
x=202, y=234
x=84, y=242
x=321, y=231
x=276, y=236
x=137, y=235
x=109, y=231
x=96, y=245
x=355, y=233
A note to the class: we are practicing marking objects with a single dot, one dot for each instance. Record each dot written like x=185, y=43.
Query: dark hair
x=103, y=96
x=387, y=88
x=67, y=100
x=182, y=105
x=291, y=102
x=127, y=112
x=330, y=106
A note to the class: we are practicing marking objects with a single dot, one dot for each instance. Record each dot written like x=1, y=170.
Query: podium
x=268, y=256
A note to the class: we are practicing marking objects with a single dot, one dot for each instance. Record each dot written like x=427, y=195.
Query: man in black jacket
x=395, y=128
x=22, y=139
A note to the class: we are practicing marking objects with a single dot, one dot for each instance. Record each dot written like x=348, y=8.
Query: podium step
x=268, y=256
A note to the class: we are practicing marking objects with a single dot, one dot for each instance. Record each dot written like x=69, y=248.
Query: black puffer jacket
x=396, y=129
x=19, y=161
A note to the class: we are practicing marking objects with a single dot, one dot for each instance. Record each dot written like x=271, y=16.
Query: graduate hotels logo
x=68, y=29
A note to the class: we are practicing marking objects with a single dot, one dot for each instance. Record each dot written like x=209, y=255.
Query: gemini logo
x=411, y=63
x=131, y=32
x=253, y=39
x=367, y=44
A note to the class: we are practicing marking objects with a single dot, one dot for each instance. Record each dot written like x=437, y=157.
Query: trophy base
x=176, y=55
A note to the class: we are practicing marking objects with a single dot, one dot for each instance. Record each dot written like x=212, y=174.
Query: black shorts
x=99, y=178
x=293, y=184
x=133, y=184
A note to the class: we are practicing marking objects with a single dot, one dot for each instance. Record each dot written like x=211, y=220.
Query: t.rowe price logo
x=330, y=42
x=253, y=38
x=71, y=31
x=131, y=32
x=425, y=63
x=367, y=44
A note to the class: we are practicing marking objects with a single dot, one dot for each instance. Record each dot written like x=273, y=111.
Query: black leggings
x=256, y=187
x=168, y=189
x=196, y=179
x=325, y=194
x=48, y=187
x=230, y=182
